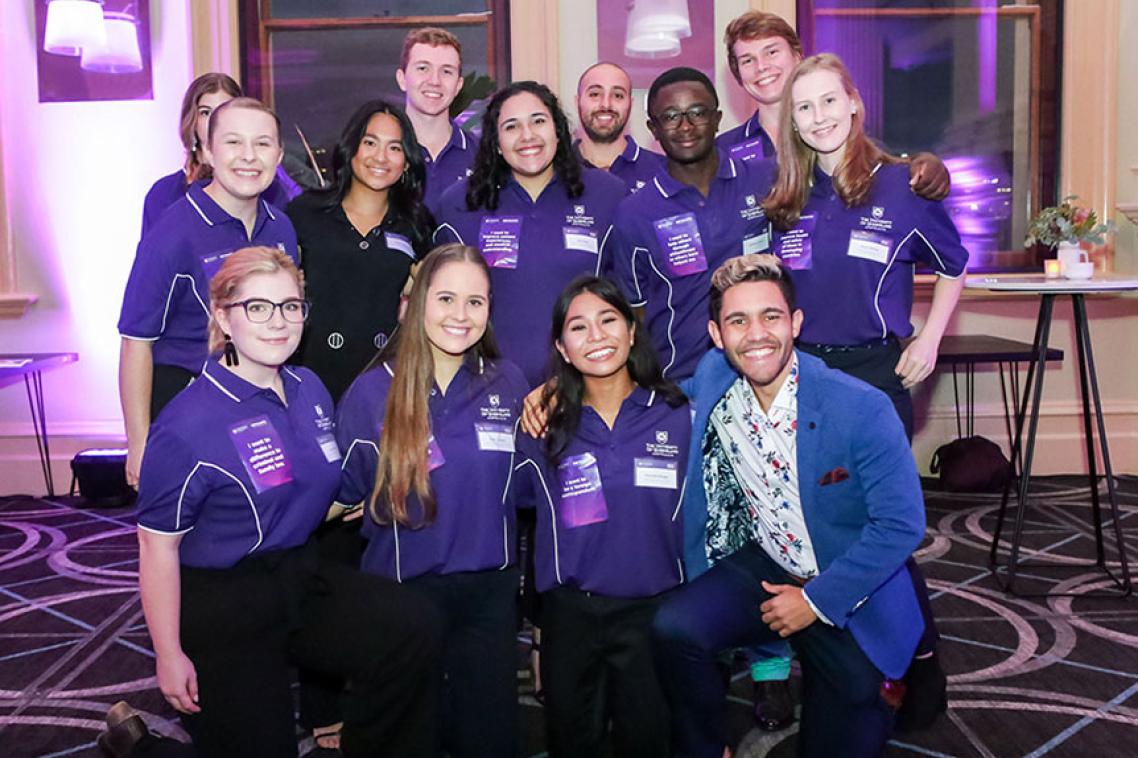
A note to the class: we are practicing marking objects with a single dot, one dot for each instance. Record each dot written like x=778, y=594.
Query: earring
x=230, y=353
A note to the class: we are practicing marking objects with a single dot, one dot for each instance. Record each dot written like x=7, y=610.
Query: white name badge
x=756, y=244
x=577, y=238
x=657, y=474
x=869, y=246
x=495, y=437
x=329, y=447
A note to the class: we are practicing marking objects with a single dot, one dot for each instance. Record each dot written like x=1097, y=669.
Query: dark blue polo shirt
x=635, y=166
x=667, y=241
x=747, y=141
x=471, y=454
x=534, y=249
x=853, y=267
x=450, y=167
x=235, y=470
x=608, y=514
x=167, y=295
x=172, y=188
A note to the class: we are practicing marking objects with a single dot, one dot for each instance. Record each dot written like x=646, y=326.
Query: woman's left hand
x=917, y=362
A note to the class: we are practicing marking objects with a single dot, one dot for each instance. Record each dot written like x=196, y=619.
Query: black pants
x=167, y=382
x=480, y=699
x=874, y=366
x=597, y=666
x=243, y=627
x=843, y=713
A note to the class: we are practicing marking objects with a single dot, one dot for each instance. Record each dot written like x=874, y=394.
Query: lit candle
x=1051, y=268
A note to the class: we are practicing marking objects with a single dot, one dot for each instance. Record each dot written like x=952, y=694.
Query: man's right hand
x=535, y=415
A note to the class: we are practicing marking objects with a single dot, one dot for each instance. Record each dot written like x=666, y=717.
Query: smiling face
x=379, y=160
x=756, y=331
x=764, y=67
x=271, y=343
x=244, y=152
x=684, y=141
x=432, y=78
x=527, y=136
x=823, y=115
x=596, y=338
x=457, y=308
x=604, y=102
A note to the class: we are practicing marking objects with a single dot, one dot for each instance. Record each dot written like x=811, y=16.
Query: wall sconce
x=655, y=28
x=119, y=53
x=73, y=25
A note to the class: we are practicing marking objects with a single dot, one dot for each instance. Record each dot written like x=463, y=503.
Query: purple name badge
x=400, y=243
x=582, y=499
x=499, y=238
x=212, y=262
x=681, y=244
x=748, y=150
x=794, y=248
x=434, y=454
x=261, y=452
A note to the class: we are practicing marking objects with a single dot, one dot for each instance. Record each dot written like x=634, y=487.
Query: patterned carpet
x=1029, y=676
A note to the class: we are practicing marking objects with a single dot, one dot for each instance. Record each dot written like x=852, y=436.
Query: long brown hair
x=402, y=467
x=206, y=84
x=853, y=177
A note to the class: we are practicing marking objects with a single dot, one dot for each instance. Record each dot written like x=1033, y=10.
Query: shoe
x=125, y=729
x=774, y=705
x=926, y=695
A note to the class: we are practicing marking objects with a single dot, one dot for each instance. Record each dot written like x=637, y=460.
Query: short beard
x=603, y=139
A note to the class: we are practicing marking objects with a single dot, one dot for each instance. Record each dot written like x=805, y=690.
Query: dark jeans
x=596, y=666
x=244, y=627
x=842, y=710
x=480, y=705
x=167, y=381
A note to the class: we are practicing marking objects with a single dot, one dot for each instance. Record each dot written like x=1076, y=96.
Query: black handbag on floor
x=970, y=464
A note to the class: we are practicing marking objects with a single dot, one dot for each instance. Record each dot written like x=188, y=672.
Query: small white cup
x=1083, y=269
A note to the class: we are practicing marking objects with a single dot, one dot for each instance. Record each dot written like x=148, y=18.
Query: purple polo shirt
x=167, y=295
x=471, y=455
x=635, y=166
x=236, y=471
x=747, y=141
x=534, y=250
x=172, y=188
x=450, y=167
x=867, y=255
x=667, y=241
x=624, y=539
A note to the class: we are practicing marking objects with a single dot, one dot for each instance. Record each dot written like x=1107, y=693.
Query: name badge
x=499, y=238
x=579, y=238
x=656, y=474
x=400, y=243
x=869, y=246
x=260, y=449
x=582, y=500
x=748, y=150
x=682, y=245
x=757, y=243
x=495, y=437
x=794, y=248
x=329, y=447
x=434, y=454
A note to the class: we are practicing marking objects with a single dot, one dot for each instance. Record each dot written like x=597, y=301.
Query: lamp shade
x=659, y=17
x=651, y=45
x=119, y=53
x=73, y=25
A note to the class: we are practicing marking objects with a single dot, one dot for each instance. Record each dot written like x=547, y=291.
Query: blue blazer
x=863, y=528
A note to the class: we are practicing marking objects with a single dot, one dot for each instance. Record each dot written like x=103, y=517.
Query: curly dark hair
x=405, y=197
x=491, y=170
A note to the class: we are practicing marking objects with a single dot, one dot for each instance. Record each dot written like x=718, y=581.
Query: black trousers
x=843, y=713
x=479, y=661
x=167, y=381
x=245, y=626
x=597, y=667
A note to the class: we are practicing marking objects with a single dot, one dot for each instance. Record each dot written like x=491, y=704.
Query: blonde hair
x=244, y=103
x=853, y=178
x=237, y=267
x=755, y=267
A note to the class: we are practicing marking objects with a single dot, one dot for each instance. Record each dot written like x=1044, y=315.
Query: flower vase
x=1069, y=252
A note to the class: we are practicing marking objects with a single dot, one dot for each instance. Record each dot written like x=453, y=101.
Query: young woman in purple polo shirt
x=428, y=440
x=607, y=481
x=851, y=232
x=239, y=470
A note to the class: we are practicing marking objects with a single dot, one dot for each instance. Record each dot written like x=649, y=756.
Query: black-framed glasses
x=258, y=310
x=697, y=115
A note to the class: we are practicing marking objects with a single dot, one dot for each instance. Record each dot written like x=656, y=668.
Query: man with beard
x=604, y=102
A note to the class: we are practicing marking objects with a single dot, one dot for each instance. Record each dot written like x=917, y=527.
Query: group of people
x=336, y=411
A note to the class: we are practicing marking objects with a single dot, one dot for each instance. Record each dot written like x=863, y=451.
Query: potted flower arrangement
x=1065, y=228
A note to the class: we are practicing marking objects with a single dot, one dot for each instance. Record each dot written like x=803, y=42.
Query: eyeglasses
x=697, y=115
x=259, y=311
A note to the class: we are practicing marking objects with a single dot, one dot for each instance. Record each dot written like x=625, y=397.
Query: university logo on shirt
x=662, y=437
x=579, y=210
x=750, y=200
x=495, y=401
x=878, y=211
x=876, y=220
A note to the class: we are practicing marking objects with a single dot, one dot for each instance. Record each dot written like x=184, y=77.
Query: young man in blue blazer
x=817, y=466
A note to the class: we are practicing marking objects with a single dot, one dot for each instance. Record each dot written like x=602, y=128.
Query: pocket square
x=834, y=476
